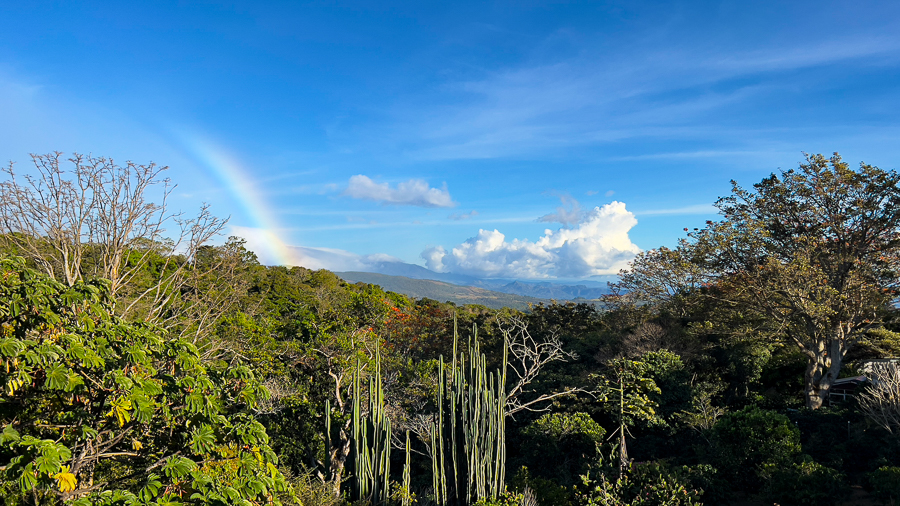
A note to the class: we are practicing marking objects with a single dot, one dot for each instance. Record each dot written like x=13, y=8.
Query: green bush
x=806, y=483
x=571, y=441
x=884, y=483
x=646, y=484
x=747, y=441
x=547, y=492
x=505, y=499
x=708, y=479
x=99, y=410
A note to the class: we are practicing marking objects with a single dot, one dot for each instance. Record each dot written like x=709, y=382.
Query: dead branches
x=98, y=219
x=881, y=401
x=527, y=357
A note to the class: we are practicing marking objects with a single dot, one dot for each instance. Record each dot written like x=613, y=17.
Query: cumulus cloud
x=597, y=245
x=414, y=192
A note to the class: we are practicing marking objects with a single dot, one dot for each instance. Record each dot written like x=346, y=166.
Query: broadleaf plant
x=98, y=410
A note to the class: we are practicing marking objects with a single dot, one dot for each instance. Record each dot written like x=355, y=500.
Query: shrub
x=708, y=479
x=746, y=441
x=806, y=483
x=504, y=499
x=546, y=492
x=647, y=484
x=884, y=483
x=570, y=440
x=99, y=410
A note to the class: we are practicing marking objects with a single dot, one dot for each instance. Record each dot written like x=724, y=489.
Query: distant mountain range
x=417, y=281
x=441, y=290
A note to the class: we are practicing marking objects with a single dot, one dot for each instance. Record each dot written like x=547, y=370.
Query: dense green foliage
x=885, y=484
x=806, y=483
x=97, y=410
x=747, y=443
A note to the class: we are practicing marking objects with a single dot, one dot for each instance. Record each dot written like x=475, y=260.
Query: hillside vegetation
x=150, y=370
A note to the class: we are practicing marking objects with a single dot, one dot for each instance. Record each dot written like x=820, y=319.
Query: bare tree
x=527, y=357
x=101, y=219
x=881, y=401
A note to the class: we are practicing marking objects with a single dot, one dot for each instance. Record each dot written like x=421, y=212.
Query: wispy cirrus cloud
x=685, y=210
x=568, y=213
x=593, y=98
x=463, y=216
x=415, y=192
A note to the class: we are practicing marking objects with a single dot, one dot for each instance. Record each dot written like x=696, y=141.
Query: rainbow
x=228, y=170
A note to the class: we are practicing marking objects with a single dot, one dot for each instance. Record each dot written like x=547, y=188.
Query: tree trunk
x=339, y=454
x=623, y=453
x=821, y=371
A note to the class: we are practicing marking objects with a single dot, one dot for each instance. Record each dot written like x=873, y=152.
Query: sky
x=528, y=140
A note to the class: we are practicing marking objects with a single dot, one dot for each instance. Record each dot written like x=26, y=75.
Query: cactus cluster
x=371, y=438
x=468, y=439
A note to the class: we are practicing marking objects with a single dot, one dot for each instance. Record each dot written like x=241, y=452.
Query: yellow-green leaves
x=15, y=381
x=121, y=409
x=65, y=480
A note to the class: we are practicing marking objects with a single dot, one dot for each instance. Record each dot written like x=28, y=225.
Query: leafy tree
x=813, y=252
x=97, y=410
x=626, y=391
x=884, y=483
x=668, y=372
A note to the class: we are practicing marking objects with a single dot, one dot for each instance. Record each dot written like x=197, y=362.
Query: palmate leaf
x=179, y=467
x=88, y=357
x=195, y=401
x=16, y=382
x=149, y=387
x=28, y=478
x=9, y=435
x=202, y=440
x=74, y=381
x=143, y=407
x=15, y=305
x=57, y=377
x=151, y=488
x=10, y=347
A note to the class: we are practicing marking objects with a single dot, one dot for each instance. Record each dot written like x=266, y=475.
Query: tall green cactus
x=468, y=437
x=371, y=441
x=471, y=415
x=407, y=492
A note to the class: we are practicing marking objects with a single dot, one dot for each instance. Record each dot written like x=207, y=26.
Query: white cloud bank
x=597, y=245
x=272, y=251
x=414, y=192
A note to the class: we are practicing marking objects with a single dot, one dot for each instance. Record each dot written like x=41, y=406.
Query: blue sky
x=504, y=139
